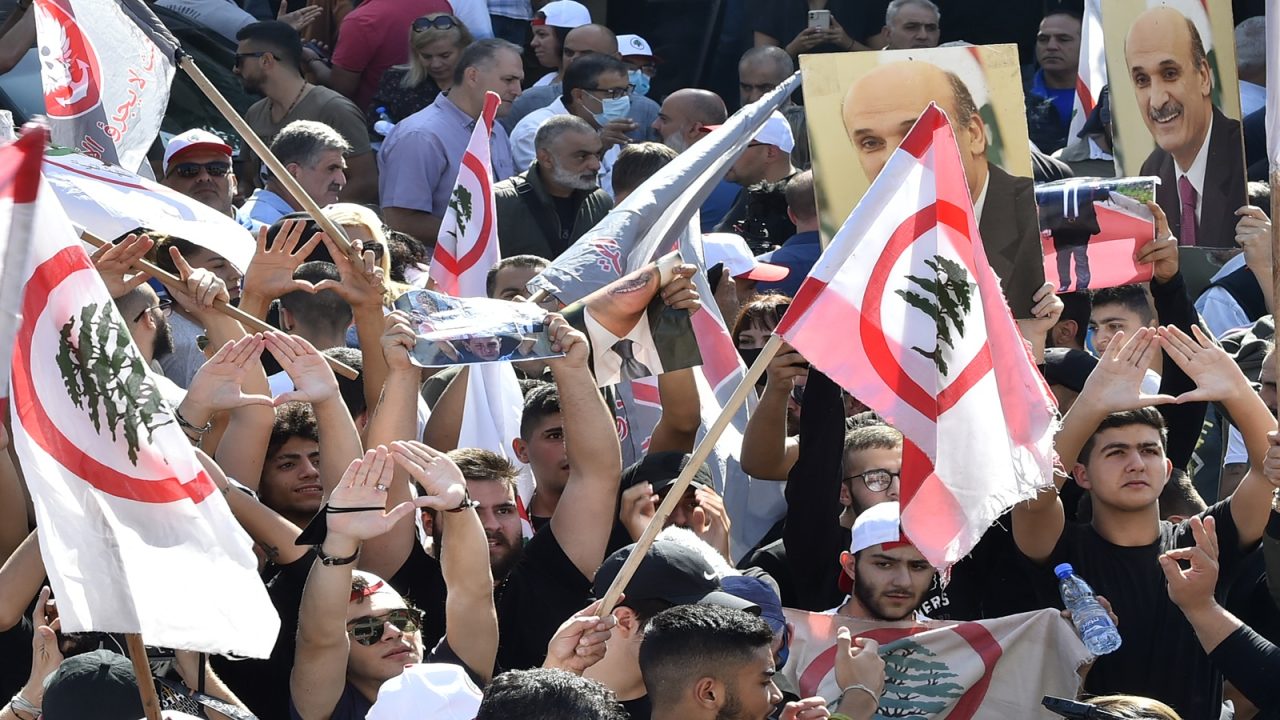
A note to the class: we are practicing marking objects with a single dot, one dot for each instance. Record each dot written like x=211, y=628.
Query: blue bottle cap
x=1063, y=570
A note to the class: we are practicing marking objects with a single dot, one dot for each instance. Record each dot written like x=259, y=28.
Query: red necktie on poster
x=1187, y=194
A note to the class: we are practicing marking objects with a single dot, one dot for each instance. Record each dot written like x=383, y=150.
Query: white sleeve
x=475, y=15
x=1220, y=311
x=522, y=150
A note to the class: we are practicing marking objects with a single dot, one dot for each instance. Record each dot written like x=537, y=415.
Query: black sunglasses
x=217, y=168
x=165, y=307
x=241, y=56
x=440, y=22
x=612, y=93
x=368, y=630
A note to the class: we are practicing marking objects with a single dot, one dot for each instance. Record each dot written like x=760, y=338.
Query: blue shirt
x=263, y=207
x=799, y=253
x=1063, y=100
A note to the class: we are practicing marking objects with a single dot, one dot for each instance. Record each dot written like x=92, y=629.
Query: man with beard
x=543, y=210
x=197, y=164
x=1199, y=157
x=890, y=577
x=147, y=318
x=687, y=115
x=268, y=60
x=706, y=662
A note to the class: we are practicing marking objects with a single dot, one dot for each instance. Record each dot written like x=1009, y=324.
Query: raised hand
x=638, y=506
x=710, y=521
x=200, y=289
x=434, y=471
x=299, y=19
x=564, y=339
x=46, y=655
x=313, y=381
x=270, y=273
x=1045, y=312
x=1271, y=464
x=363, y=488
x=1162, y=252
x=115, y=261
x=858, y=662
x=398, y=341
x=1216, y=375
x=681, y=293
x=785, y=369
x=363, y=281
x=1192, y=589
x=217, y=384
x=1116, y=383
x=814, y=708
x=580, y=641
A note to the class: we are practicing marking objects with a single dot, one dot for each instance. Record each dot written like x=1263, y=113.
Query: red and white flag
x=134, y=535
x=19, y=174
x=1092, y=72
x=467, y=245
x=106, y=67
x=924, y=337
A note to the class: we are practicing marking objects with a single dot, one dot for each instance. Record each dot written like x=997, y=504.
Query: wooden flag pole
x=1275, y=239
x=700, y=455
x=146, y=683
x=277, y=168
x=231, y=311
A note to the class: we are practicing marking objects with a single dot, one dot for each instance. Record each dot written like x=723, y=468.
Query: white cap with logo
x=193, y=140
x=634, y=46
x=563, y=14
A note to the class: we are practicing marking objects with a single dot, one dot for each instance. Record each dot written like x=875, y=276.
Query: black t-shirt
x=783, y=20
x=15, y=658
x=263, y=685
x=421, y=581
x=543, y=590
x=1160, y=656
x=638, y=709
x=567, y=212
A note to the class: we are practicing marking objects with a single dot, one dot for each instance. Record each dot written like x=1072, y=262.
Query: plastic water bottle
x=1091, y=620
x=383, y=125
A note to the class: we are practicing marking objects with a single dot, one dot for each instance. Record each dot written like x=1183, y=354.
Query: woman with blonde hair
x=436, y=41
x=1134, y=707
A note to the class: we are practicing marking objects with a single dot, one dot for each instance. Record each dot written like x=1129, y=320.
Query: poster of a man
x=639, y=325
x=465, y=331
x=1092, y=229
x=1177, y=106
x=861, y=105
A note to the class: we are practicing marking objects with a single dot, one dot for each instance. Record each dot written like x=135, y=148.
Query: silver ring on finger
x=380, y=487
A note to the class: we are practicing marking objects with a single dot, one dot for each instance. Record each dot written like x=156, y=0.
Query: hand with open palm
x=363, y=488
x=1116, y=383
x=217, y=385
x=434, y=471
x=1216, y=375
x=313, y=380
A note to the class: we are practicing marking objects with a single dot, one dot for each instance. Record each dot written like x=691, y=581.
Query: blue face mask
x=640, y=80
x=613, y=109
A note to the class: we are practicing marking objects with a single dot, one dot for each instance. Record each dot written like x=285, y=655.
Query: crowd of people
x=424, y=586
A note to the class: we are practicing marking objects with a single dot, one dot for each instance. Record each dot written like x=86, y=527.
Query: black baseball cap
x=671, y=572
x=1068, y=367
x=98, y=684
x=661, y=469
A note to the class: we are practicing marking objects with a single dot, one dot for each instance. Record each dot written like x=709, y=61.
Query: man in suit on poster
x=1067, y=214
x=882, y=106
x=1199, y=155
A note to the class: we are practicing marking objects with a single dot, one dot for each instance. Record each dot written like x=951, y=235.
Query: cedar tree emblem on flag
x=952, y=298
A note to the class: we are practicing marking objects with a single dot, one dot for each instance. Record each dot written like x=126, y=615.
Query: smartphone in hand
x=820, y=19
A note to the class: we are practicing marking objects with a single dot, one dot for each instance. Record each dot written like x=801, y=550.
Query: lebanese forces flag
x=1091, y=75
x=134, y=535
x=927, y=341
x=106, y=67
x=466, y=248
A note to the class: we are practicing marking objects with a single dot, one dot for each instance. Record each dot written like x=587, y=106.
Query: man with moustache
x=890, y=578
x=197, y=164
x=314, y=154
x=543, y=210
x=885, y=103
x=1198, y=157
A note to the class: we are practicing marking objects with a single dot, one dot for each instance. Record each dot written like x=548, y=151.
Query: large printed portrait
x=1175, y=101
x=861, y=105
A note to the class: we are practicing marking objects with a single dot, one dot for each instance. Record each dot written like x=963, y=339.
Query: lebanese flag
x=996, y=668
x=106, y=67
x=904, y=312
x=1092, y=73
x=134, y=535
x=467, y=245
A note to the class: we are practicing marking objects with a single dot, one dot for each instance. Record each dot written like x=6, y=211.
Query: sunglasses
x=241, y=56
x=441, y=22
x=369, y=630
x=189, y=169
x=165, y=307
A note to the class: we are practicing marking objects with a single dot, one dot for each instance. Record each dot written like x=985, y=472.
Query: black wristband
x=332, y=561
x=466, y=504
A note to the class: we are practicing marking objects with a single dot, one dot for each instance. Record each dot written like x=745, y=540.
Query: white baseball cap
x=428, y=690
x=563, y=14
x=879, y=524
x=191, y=141
x=634, y=46
x=732, y=250
x=775, y=131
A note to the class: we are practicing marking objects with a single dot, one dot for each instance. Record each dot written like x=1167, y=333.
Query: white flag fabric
x=20, y=171
x=134, y=535
x=1273, y=83
x=106, y=67
x=109, y=201
x=1092, y=72
x=926, y=339
x=467, y=245
x=651, y=220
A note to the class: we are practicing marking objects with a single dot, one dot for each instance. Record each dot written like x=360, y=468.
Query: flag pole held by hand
x=268, y=158
x=231, y=311
x=700, y=455
x=146, y=683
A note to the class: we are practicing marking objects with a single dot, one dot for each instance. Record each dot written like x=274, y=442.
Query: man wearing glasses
x=197, y=164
